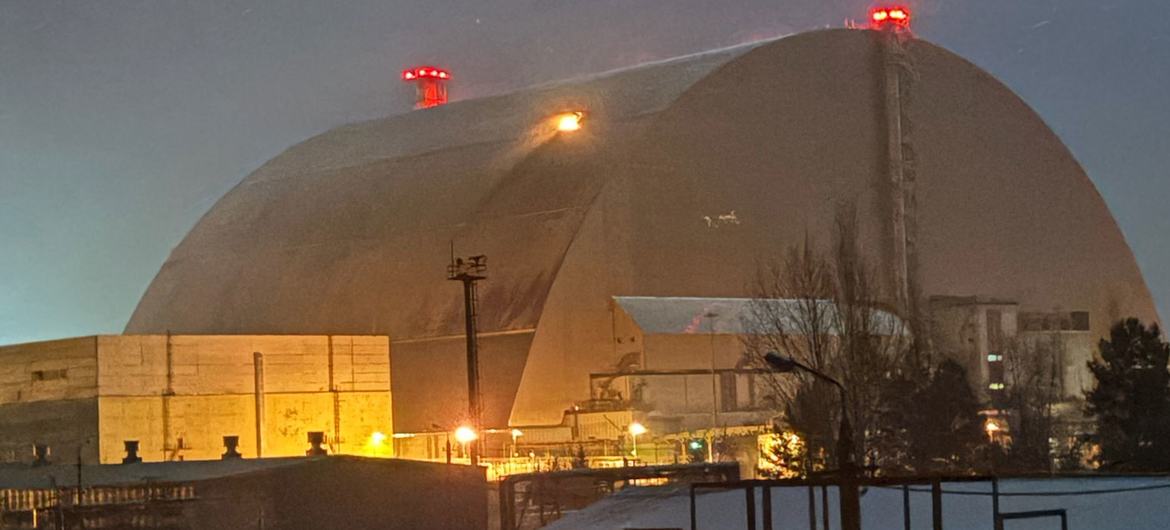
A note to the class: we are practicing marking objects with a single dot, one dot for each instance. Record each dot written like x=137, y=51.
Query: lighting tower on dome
x=430, y=83
x=892, y=22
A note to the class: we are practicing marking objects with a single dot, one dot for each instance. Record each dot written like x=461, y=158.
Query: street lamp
x=466, y=435
x=516, y=433
x=850, y=499
x=636, y=429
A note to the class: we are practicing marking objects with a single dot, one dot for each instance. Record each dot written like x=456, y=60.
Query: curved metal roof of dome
x=350, y=231
x=414, y=181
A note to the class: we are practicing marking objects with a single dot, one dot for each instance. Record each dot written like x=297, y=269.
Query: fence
x=817, y=495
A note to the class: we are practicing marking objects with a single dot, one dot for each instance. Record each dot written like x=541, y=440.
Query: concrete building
x=178, y=395
x=981, y=333
x=684, y=178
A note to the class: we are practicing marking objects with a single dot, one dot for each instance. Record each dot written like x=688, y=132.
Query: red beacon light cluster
x=896, y=17
x=425, y=72
x=430, y=84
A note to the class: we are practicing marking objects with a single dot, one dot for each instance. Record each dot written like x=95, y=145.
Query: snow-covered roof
x=739, y=316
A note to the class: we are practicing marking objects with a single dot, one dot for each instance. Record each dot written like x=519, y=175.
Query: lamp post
x=469, y=271
x=467, y=436
x=850, y=498
x=636, y=429
x=710, y=316
x=516, y=433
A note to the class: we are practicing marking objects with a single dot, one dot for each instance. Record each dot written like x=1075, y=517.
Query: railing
x=759, y=515
x=548, y=495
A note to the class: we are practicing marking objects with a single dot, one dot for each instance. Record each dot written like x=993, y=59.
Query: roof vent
x=230, y=445
x=131, y=452
x=40, y=455
x=316, y=440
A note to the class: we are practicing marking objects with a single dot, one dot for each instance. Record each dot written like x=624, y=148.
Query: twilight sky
x=122, y=121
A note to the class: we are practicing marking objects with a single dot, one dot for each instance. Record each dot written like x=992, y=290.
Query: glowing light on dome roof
x=570, y=121
x=425, y=72
x=431, y=83
x=890, y=17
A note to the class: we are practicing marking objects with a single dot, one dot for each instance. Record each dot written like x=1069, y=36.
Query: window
x=728, y=390
x=48, y=375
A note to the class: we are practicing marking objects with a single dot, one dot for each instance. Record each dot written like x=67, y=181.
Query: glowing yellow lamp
x=570, y=121
x=465, y=435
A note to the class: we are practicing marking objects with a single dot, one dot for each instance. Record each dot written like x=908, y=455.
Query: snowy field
x=1091, y=503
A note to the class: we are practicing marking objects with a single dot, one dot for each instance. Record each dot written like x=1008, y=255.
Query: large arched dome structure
x=350, y=232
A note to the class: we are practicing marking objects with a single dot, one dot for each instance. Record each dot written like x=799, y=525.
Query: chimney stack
x=40, y=455
x=316, y=440
x=131, y=452
x=230, y=443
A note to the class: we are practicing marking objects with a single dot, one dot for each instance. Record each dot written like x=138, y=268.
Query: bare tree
x=825, y=310
x=1032, y=373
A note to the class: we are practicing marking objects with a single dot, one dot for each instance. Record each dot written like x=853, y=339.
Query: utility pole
x=711, y=315
x=469, y=271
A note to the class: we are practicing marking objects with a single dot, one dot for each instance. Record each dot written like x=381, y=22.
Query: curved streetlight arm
x=819, y=375
x=845, y=435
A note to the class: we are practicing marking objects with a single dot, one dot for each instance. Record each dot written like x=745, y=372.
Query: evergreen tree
x=1131, y=400
x=944, y=430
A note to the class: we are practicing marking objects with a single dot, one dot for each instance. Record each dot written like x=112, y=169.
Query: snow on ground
x=1092, y=503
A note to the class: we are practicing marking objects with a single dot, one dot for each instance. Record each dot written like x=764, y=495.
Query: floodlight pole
x=469, y=271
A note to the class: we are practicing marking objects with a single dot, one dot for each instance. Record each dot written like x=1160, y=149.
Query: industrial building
x=177, y=396
x=679, y=179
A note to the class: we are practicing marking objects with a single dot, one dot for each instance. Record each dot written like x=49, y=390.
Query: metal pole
x=751, y=507
x=714, y=391
x=507, y=505
x=850, y=497
x=694, y=519
x=995, y=504
x=472, y=365
x=766, y=494
x=936, y=503
x=812, y=508
x=906, y=507
x=825, y=505
x=258, y=399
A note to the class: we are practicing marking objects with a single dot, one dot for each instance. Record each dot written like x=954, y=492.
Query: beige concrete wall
x=134, y=365
x=94, y=393
x=52, y=370
x=48, y=396
x=197, y=424
x=213, y=394
x=66, y=426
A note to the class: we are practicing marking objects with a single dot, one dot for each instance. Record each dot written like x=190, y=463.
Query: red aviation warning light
x=891, y=17
x=431, y=84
